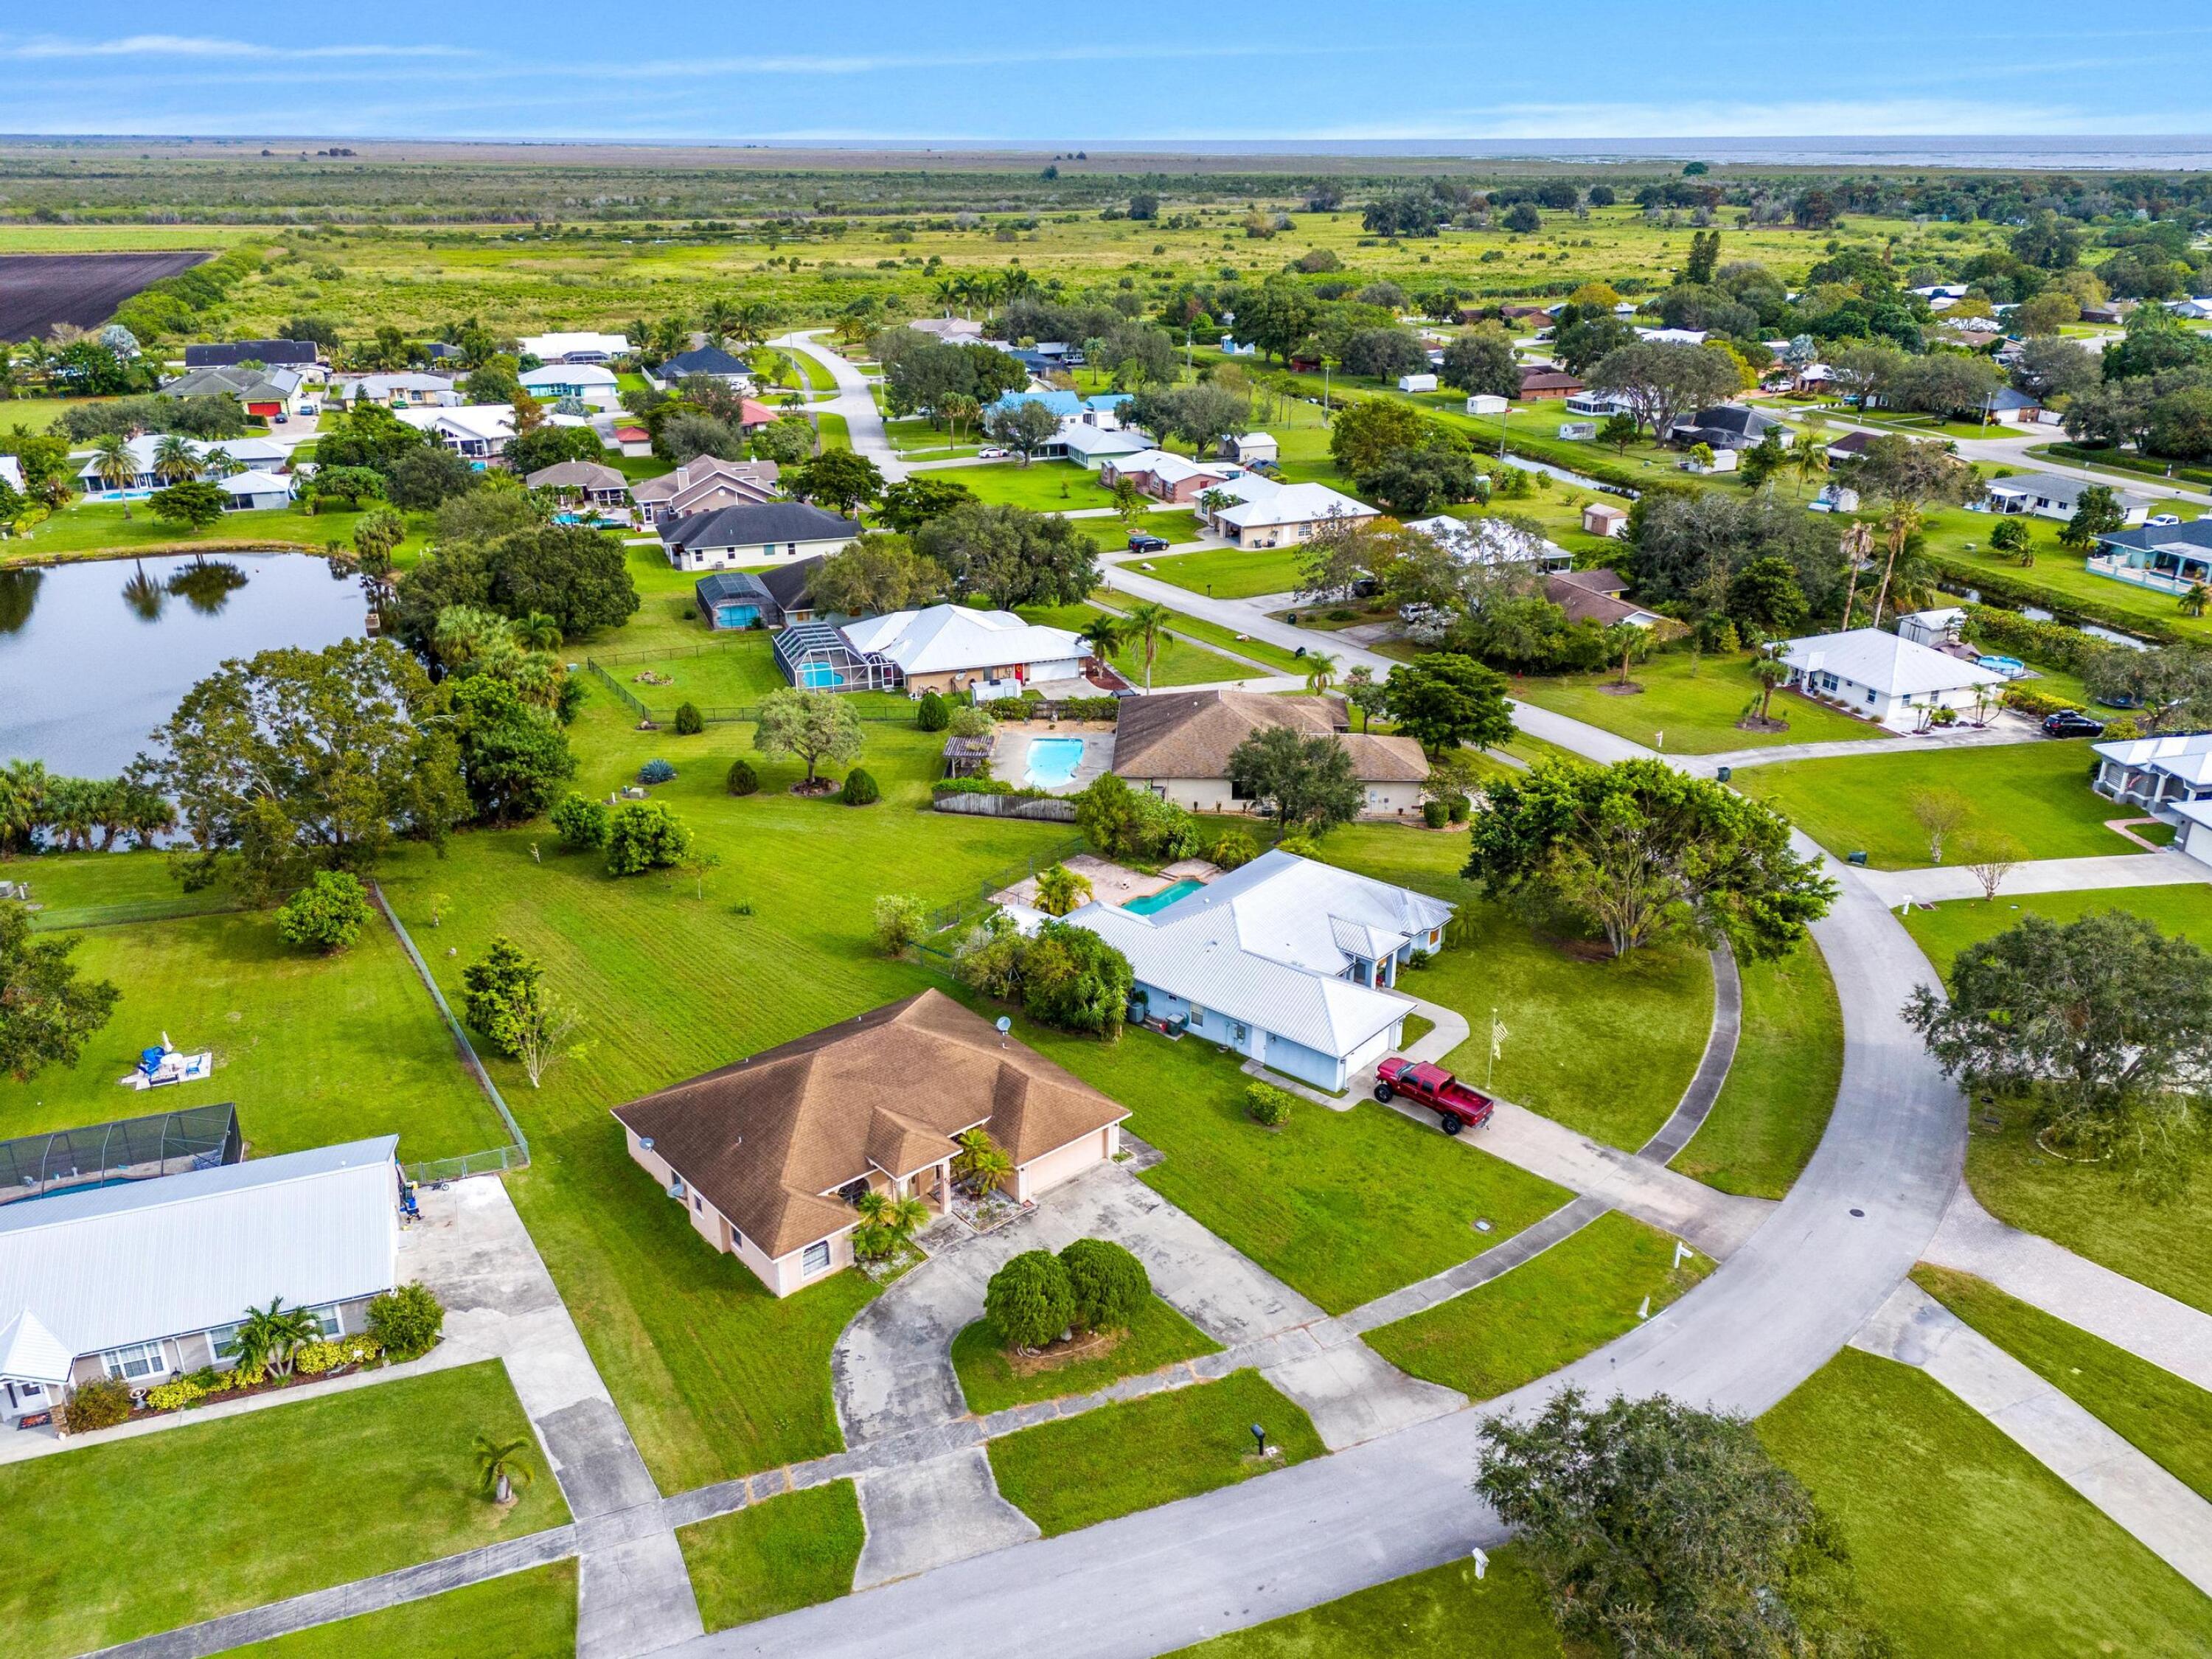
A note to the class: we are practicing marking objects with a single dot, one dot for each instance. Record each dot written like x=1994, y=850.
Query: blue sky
x=707, y=71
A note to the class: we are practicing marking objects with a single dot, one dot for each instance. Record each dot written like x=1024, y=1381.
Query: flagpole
x=1489, y=1072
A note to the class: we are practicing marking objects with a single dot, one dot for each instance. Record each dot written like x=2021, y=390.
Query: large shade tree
x=46, y=1009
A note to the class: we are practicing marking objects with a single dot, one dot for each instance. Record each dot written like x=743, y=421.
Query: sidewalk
x=2165, y=868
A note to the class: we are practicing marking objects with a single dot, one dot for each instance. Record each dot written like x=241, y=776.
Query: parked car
x=2163, y=519
x=2072, y=723
x=1143, y=541
x=991, y=453
x=1456, y=1106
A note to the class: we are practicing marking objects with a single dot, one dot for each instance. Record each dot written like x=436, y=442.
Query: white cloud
x=192, y=46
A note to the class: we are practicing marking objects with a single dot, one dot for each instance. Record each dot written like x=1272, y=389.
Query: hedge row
x=1068, y=709
x=2053, y=644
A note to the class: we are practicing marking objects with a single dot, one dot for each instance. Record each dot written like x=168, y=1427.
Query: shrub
x=175, y=1396
x=100, y=1404
x=316, y=1357
x=1231, y=848
x=581, y=822
x=931, y=714
x=1436, y=814
x=1029, y=1300
x=644, y=835
x=1071, y=978
x=901, y=919
x=1267, y=1104
x=1109, y=1285
x=328, y=914
x=972, y=787
x=689, y=722
x=860, y=788
x=405, y=1322
x=742, y=780
x=2034, y=704
x=655, y=771
x=1302, y=845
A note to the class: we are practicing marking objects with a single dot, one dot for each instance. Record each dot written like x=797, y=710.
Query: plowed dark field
x=37, y=290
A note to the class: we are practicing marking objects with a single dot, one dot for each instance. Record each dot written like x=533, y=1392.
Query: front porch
x=2178, y=576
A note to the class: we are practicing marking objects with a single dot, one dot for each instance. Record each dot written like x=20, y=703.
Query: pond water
x=94, y=656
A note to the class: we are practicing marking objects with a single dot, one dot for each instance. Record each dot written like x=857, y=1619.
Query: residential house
x=1892, y=680
x=1729, y=426
x=790, y=586
x=2019, y=409
x=1177, y=745
x=1168, y=477
x=1487, y=403
x=709, y=360
x=1594, y=405
x=1851, y=446
x=1596, y=596
x=586, y=482
x=1603, y=519
x=2049, y=496
x=478, y=433
x=952, y=330
x=266, y=394
x=769, y=1157
x=1492, y=542
x=301, y=354
x=254, y=491
x=2196, y=309
x=1540, y=380
x=1250, y=448
x=1093, y=447
x=1284, y=960
x=1254, y=511
x=2160, y=777
x=753, y=532
x=948, y=647
x=2170, y=557
x=591, y=384
x=704, y=485
x=409, y=390
x=1673, y=336
x=245, y=452
x=145, y=1279
x=575, y=348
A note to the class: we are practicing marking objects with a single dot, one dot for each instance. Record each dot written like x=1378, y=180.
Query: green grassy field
x=84, y=889
x=2038, y=793
x=314, y=1049
x=100, y=527
x=1158, y=1336
x=1947, y=928
x=1175, y=662
x=832, y=431
x=1959, y=541
x=534, y=1613
x=787, y=1552
x=2166, y=1418
x=1197, y=628
x=1142, y=1453
x=1782, y=1085
x=257, y=1508
x=1045, y=487
x=1689, y=706
x=1446, y=1612
x=1568, y=1300
x=1964, y=1543
x=1230, y=572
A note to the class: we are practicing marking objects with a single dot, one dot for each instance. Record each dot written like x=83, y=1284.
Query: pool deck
x=1010, y=755
x=1112, y=882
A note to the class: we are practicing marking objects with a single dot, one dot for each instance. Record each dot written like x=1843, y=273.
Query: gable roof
x=2192, y=540
x=944, y=638
x=228, y=354
x=703, y=359
x=2056, y=488
x=704, y=469
x=575, y=474
x=769, y=1140
x=1293, y=504
x=788, y=584
x=1191, y=734
x=2184, y=754
x=760, y=522
x=1886, y=663
x=253, y=481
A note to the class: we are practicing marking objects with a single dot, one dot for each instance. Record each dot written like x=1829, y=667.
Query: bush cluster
x=860, y=789
x=742, y=780
x=1070, y=708
x=327, y=914
x=1093, y=1284
x=2034, y=704
x=931, y=714
x=406, y=1323
x=100, y=1404
x=1267, y=1104
x=581, y=822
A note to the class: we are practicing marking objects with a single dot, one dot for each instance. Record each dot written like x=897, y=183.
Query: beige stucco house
x=1177, y=745
x=769, y=1157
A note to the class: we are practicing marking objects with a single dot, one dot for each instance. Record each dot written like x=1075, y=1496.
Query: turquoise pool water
x=1053, y=761
x=820, y=677
x=1164, y=897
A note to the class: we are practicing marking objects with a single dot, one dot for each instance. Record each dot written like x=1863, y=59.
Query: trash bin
x=1725, y=774
x=1858, y=858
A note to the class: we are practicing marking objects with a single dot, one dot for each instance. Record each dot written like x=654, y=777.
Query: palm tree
x=963, y=289
x=1149, y=622
x=219, y=463
x=2194, y=601
x=500, y=1466
x=539, y=632
x=718, y=321
x=1899, y=525
x=987, y=292
x=751, y=322
x=887, y=1221
x=1808, y=460
x=1770, y=671
x=1858, y=542
x=1320, y=671
x=957, y=411
x=1105, y=636
x=1628, y=641
x=23, y=788
x=270, y=1337
x=175, y=460
x=114, y=465
x=980, y=1162
x=944, y=290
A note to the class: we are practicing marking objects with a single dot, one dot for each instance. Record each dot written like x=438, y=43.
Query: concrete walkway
x=1696, y=1105
x=2164, y=868
x=2002, y=729
x=2158, y=1512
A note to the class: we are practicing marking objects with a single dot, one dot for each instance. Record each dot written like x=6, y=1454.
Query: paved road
x=2164, y=868
x=863, y=421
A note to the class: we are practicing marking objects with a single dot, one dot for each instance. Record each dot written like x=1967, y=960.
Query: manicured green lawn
x=1142, y=1453
x=1446, y=1612
x=534, y=1613
x=1964, y=1543
x=1689, y=706
x=2166, y=1418
x=913, y=435
x=1568, y=1300
x=1212, y=634
x=1782, y=1085
x=1230, y=572
x=711, y=670
x=1959, y=541
x=774, y=1557
x=715, y=1377
x=98, y=525
x=1175, y=661
x=80, y=889
x=831, y=430
x=1045, y=487
x=814, y=373
x=314, y=1049
x=1950, y=927
x=1605, y=1048
x=121, y=1540
x=1158, y=1336
x=2037, y=792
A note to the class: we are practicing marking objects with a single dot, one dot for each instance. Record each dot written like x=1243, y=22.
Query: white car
x=2163, y=518
x=991, y=453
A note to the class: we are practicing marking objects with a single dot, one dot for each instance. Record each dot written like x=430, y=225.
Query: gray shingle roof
x=764, y=522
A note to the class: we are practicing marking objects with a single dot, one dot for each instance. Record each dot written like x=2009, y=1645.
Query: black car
x=1143, y=542
x=2072, y=723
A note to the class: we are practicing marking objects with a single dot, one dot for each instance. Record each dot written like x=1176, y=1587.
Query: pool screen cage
x=129, y=1149
x=815, y=657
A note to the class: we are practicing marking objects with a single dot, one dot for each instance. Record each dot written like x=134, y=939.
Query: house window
x=141, y=1359
x=223, y=1340
x=815, y=1258
x=1197, y=1017
x=327, y=1320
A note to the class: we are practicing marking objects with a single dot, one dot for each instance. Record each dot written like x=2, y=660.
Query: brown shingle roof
x=768, y=1141
x=1191, y=734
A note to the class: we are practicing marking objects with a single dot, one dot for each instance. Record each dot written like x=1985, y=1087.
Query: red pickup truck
x=1456, y=1106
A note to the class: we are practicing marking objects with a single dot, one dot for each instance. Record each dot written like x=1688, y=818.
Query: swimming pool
x=2011, y=667
x=819, y=677
x=1164, y=897
x=1053, y=761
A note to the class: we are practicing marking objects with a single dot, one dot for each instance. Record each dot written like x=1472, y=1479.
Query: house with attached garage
x=1283, y=960
x=2164, y=777
x=1167, y=476
x=710, y=360
x=584, y=482
x=2049, y=495
x=575, y=348
x=947, y=648
x=1254, y=511
x=1729, y=426
x=142, y=1280
x=266, y=394
x=477, y=433
x=1896, y=681
x=704, y=484
x=764, y=532
x=593, y=383
x=403, y=391
x=1177, y=745
x=769, y=1156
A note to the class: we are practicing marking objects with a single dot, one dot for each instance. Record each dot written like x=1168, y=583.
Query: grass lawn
x=715, y=1377
x=1958, y=540
x=2166, y=1418
x=913, y=435
x=1214, y=633
x=814, y=373
x=774, y=1557
x=1045, y=487
x=1142, y=1453
x=1446, y=1612
x=1605, y=1048
x=1568, y=1300
x=100, y=526
x=80, y=889
x=1949, y=927
x=314, y=1049
x=712, y=670
x=832, y=431
x=1964, y=1543
x=1158, y=1336
x=1782, y=1085
x=121, y=1540
x=1175, y=662
x=2038, y=793
x=1231, y=573
x=534, y=1613
x=1689, y=706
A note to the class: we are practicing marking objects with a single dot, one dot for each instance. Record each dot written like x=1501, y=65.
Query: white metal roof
x=246, y=452
x=1296, y=503
x=1173, y=468
x=567, y=375
x=1084, y=439
x=1882, y=662
x=29, y=1353
x=944, y=638
x=254, y=483
x=491, y=422
x=182, y=1252
x=2184, y=754
x=1267, y=943
x=2057, y=489
x=550, y=347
